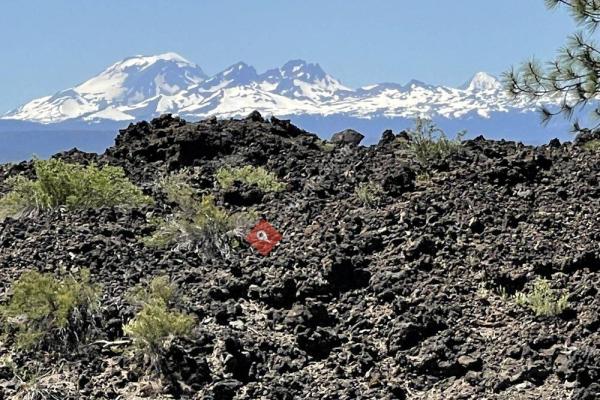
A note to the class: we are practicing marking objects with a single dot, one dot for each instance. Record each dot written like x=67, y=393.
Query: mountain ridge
x=143, y=87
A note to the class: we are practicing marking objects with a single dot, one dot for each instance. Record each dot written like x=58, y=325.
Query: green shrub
x=265, y=180
x=429, y=143
x=159, y=288
x=326, y=147
x=178, y=191
x=59, y=183
x=368, y=193
x=156, y=323
x=198, y=224
x=203, y=227
x=592, y=145
x=43, y=307
x=543, y=300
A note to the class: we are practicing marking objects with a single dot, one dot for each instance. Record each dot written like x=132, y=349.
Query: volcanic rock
x=410, y=297
x=348, y=136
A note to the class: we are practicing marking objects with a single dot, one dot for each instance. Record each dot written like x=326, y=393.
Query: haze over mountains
x=143, y=87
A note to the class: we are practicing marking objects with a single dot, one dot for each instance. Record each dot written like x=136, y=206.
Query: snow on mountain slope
x=122, y=87
x=301, y=80
x=482, y=81
x=142, y=87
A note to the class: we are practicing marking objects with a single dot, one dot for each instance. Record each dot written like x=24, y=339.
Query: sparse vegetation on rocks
x=198, y=223
x=411, y=298
x=326, y=147
x=543, y=300
x=44, y=309
x=204, y=226
x=59, y=183
x=430, y=143
x=368, y=193
x=592, y=145
x=156, y=323
x=250, y=175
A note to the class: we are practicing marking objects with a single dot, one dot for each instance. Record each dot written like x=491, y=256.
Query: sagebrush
x=368, y=193
x=543, y=300
x=201, y=228
x=156, y=323
x=429, y=143
x=198, y=223
x=46, y=309
x=159, y=288
x=251, y=175
x=58, y=183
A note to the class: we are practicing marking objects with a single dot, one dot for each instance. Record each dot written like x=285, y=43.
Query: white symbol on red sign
x=263, y=237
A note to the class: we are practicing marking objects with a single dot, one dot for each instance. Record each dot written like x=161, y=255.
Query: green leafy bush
x=42, y=307
x=429, y=143
x=543, y=300
x=198, y=224
x=265, y=180
x=156, y=323
x=368, y=193
x=59, y=183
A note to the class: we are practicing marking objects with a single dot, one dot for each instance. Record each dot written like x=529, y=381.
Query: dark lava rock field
x=410, y=298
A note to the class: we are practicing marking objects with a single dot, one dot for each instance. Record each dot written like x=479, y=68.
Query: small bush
x=204, y=227
x=156, y=324
x=159, y=288
x=368, y=193
x=198, y=224
x=72, y=185
x=263, y=179
x=178, y=191
x=429, y=143
x=43, y=307
x=592, y=145
x=326, y=147
x=543, y=300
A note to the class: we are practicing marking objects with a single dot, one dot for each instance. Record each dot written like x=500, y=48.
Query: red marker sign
x=263, y=237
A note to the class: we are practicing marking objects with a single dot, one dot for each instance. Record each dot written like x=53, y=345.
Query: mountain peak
x=237, y=67
x=416, y=83
x=172, y=56
x=140, y=77
x=300, y=69
x=239, y=72
x=482, y=81
x=127, y=84
x=142, y=61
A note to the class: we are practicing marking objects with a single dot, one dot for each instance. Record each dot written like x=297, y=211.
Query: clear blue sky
x=48, y=45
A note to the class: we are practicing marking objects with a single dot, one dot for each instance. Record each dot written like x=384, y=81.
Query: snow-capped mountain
x=89, y=115
x=127, y=89
x=145, y=86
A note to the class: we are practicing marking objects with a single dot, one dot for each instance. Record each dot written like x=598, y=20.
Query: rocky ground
x=411, y=298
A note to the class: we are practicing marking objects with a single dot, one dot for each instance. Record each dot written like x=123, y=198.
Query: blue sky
x=48, y=45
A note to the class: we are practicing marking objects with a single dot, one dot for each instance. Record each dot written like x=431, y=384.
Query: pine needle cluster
x=573, y=77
